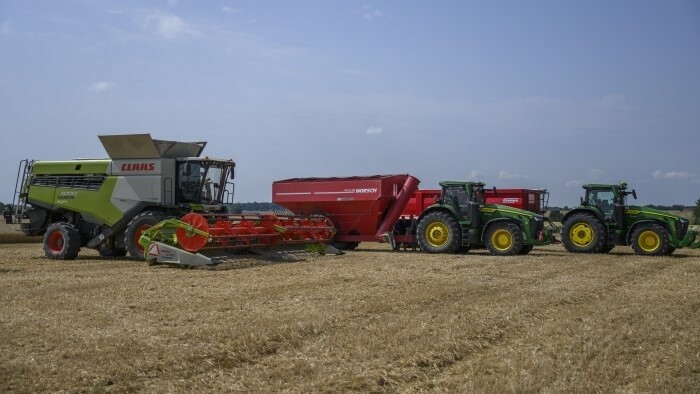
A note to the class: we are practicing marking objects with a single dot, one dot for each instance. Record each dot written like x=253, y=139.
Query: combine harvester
x=391, y=209
x=108, y=204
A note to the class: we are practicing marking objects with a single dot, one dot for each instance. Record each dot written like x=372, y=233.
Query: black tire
x=650, y=239
x=583, y=233
x=671, y=249
x=345, y=245
x=439, y=232
x=526, y=249
x=504, y=239
x=61, y=242
x=133, y=231
x=115, y=252
x=607, y=248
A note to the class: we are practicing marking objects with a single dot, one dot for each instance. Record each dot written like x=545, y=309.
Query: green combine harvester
x=460, y=220
x=604, y=220
x=108, y=204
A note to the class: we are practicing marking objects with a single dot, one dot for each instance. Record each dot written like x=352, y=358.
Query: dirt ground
x=371, y=320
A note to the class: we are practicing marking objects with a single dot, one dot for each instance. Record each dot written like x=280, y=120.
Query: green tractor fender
x=587, y=210
x=449, y=209
x=635, y=226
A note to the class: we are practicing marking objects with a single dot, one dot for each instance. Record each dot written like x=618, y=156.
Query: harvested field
x=371, y=320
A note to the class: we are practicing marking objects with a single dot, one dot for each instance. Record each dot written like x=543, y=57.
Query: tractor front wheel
x=439, y=232
x=583, y=233
x=650, y=240
x=504, y=239
x=61, y=242
x=136, y=226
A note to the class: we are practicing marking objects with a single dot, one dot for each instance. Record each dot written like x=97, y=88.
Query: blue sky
x=545, y=94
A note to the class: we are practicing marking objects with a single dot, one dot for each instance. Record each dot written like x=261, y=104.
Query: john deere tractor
x=460, y=220
x=604, y=220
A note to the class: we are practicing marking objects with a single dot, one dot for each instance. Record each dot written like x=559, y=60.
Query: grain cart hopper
x=604, y=220
x=106, y=204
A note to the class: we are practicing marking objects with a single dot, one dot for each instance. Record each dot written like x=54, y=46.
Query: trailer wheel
x=650, y=240
x=439, y=232
x=61, y=242
x=583, y=233
x=504, y=239
x=136, y=226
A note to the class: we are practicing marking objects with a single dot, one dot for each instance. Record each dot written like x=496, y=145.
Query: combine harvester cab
x=604, y=220
x=106, y=204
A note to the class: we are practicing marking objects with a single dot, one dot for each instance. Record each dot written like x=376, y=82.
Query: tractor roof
x=142, y=146
x=618, y=186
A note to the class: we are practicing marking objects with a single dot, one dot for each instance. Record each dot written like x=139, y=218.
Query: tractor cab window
x=457, y=197
x=603, y=199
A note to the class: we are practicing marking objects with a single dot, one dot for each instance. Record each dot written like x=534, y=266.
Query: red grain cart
x=362, y=208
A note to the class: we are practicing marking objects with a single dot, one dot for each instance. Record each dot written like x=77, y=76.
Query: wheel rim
x=137, y=236
x=437, y=234
x=581, y=234
x=649, y=241
x=502, y=239
x=56, y=242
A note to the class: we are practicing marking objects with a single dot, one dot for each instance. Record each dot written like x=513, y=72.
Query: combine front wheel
x=439, y=232
x=504, y=239
x=583, y=234
x=650, y=240
x=61, y=242
x=136, y=226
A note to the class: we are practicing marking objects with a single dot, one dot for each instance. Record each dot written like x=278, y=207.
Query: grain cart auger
x=604, y=220
x=194, y=238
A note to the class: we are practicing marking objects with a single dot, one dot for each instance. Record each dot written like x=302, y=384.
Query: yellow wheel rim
x=581, y=234
x=649, y=241
x=501, y=239
x=437, y=234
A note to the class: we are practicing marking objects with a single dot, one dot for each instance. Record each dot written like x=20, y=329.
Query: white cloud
x=507, y=176
x=573, y=183
x=229, y=10
x=371, y=130
x=679, y=175
x=101, y=86
x=476, y=174
x=595, y=174
x=370, y=13
x=163, y=24
x=5, y=28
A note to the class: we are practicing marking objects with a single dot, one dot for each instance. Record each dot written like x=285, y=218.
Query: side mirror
x=494, y=190
x=581, y=201
x=232, y=174
x=188, y=169
x=634, y=194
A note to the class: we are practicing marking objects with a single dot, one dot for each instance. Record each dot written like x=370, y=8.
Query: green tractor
x=460, y=220
x=604, y=220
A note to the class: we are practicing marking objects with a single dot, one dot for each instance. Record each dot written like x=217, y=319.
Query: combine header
x=191, y=240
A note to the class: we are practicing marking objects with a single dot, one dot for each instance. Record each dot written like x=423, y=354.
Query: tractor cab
x=205, y=181
x=465, y=197
x=609, y=200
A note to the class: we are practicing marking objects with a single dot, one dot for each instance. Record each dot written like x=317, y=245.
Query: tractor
x=604, y=220
x=460, y=220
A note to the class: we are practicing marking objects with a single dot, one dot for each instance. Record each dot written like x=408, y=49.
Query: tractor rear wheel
x=650, y=240
x=504, y=239
x=61, y=241
x=136, y=226
x=583, y=233
x=439, y=232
